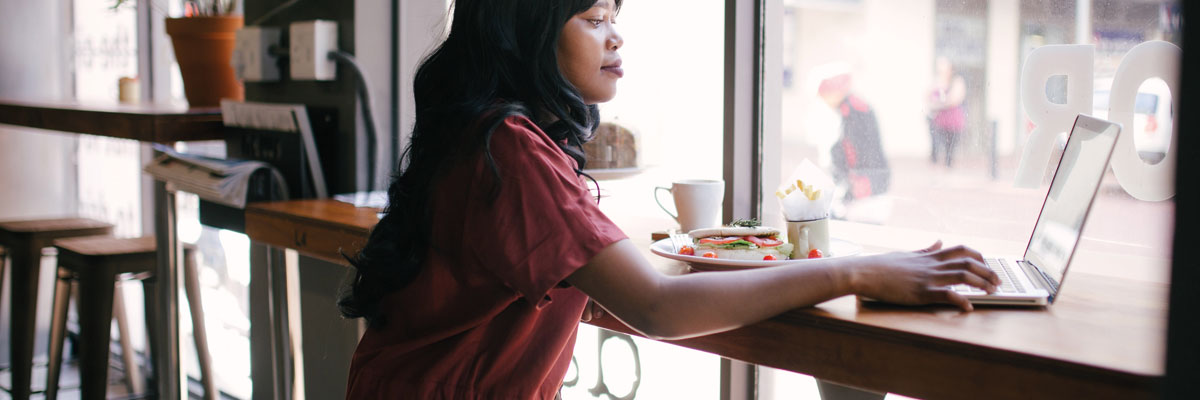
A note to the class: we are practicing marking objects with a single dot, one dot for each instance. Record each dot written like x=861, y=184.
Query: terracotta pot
x=203, y=48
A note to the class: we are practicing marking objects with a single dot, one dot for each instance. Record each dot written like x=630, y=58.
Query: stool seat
x=128, y=255
x=108, y=245
x=50, y=229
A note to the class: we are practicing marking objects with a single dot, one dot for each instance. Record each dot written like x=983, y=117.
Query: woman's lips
x=615, y=70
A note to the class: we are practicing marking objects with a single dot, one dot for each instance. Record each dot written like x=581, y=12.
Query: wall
x=37, y=170
x=344, y=174
x=34, y=65
x=422, y=28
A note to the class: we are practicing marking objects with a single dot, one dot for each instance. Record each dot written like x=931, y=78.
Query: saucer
x=838, y=248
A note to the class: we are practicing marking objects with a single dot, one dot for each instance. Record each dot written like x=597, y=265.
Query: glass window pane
x=915, y=108
x=633, y=367
x=108, y=172
x=668, y=110
x=922, y=123
x=665, y=124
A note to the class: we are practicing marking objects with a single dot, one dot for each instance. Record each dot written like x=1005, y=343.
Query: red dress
x=489, y=316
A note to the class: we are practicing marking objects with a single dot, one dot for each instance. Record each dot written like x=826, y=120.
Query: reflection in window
x=913, y=64
x=905, y=61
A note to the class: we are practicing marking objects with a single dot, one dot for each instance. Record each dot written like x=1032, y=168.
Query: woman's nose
x=615, y=41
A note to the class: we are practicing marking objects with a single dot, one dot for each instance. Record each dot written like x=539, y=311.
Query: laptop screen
x=1083, y=163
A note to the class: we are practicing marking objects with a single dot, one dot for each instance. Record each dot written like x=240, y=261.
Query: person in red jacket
x=859, y=162
x=474, y=281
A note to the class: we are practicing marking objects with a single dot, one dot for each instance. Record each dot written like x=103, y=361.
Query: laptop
x=1036, y=278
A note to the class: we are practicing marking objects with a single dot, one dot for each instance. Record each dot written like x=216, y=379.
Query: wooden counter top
x=323, y=229
x=1104, y=338
x=159, y=123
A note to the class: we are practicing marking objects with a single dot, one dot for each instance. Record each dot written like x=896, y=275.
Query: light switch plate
x=252, y=59
x=309, y=45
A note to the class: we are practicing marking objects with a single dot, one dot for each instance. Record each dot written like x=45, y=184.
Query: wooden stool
x=24, y=241
x=97, y=263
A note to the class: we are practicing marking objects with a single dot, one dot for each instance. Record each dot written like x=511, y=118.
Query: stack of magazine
x=218, y=180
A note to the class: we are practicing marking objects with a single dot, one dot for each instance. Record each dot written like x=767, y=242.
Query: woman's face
x=944, y=69
x=587, y=52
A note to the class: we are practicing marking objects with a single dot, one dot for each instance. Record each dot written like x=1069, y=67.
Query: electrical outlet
x=310, y=44
x=252, y=59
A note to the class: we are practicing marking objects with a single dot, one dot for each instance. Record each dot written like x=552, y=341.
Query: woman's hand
x=922, y=276
x=591, y=311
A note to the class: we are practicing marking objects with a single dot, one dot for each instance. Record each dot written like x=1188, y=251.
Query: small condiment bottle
x=129, y=90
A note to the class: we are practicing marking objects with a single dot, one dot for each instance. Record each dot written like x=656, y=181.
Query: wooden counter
x=321, y=229
x=1104, y=338
x=159, y=123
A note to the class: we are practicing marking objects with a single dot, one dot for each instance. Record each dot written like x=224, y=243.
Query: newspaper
x=217, y=180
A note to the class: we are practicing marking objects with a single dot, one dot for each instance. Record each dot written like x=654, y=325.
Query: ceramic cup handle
x=660, y=205
x=802, y=246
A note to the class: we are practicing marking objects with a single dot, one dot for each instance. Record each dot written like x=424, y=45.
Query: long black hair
x=499, y=60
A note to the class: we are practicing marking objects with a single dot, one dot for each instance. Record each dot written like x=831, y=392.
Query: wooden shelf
x=160, y=123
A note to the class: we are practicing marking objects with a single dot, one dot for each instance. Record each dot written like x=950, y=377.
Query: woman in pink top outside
x=947, y=116
x=491, y=249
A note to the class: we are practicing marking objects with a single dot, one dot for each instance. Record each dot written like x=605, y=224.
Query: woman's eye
x=596, y=22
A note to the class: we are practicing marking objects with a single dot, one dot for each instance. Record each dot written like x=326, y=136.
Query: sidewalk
x=965, y=199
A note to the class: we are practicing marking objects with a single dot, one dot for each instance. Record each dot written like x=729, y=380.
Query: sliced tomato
x=720, y=240
x=769, y=257
x=687, y=251
x=709, y=254
x=763, y=241
x=815, y=253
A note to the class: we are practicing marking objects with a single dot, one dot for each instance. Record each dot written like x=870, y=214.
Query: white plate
x=839, y=248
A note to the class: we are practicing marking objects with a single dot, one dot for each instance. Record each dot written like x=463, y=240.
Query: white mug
x=698, y=202
x=806, y=236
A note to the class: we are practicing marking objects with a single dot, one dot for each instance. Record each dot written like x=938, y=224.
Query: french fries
x=799, y=185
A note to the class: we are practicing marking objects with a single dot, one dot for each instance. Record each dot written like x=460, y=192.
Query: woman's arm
x=676, y=307
x=954, y=96
x=957, y=92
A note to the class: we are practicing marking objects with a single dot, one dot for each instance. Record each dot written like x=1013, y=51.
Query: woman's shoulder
x=518, y=136
x=522, y=132
x=520, y=126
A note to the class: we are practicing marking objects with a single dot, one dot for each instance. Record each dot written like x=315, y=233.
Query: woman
x=474, y=281
x=947, y=117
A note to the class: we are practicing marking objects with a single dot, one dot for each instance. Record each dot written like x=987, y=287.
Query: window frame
x=746, y=35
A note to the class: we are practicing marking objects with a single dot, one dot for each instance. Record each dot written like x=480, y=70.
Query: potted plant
x=203, y=40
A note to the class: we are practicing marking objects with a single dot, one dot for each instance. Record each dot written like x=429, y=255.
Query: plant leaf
x=747, y=223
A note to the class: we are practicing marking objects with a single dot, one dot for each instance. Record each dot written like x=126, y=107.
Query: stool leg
x=191, y=282
x=151, y=304
x=58, y=331
x=3, y=263
x=26, y=269
x=95, y=305
x=133, y=375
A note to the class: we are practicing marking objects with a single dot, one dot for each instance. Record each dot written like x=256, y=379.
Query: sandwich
x=740, y=243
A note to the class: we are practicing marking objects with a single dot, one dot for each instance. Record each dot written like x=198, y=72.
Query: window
x=942, y=79
x=109, y=175
x=670, y=104
x=893, y=75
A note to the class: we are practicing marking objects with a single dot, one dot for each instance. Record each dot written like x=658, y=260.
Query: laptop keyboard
x=1008, y=281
